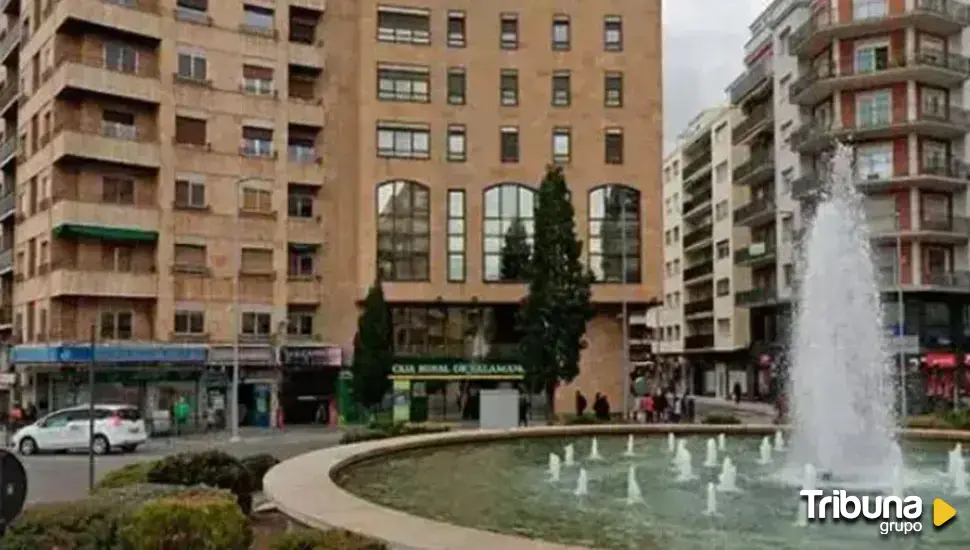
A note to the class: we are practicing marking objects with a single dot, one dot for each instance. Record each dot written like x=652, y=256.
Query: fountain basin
x=304, y=487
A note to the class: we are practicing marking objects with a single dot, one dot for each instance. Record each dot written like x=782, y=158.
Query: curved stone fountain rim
x=304, y=489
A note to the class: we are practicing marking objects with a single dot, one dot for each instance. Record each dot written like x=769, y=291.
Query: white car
x=115, y=427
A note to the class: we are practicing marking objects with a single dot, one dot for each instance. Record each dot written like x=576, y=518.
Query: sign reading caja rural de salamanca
x=458, y=369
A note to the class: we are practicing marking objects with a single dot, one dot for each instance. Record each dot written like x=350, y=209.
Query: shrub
x=388, y=429
x=86, y=525
x=187, y=522
x=308, y=539
x=212, y=468
x=257, y=466
x=132, y=474
x=721, y=419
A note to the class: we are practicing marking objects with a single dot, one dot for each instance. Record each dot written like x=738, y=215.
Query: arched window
x=509, y=221
x=614, y=233
x=403, y=231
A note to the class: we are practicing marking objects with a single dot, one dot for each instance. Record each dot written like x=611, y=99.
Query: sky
x=703, y=52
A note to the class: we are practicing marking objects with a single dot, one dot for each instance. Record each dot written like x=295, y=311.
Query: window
x=561, y=144
x=256, y=261
x=256, y=324
x=196, y=10
x=120, y=57
x=934, y=156
x=118, y=125
x=117, y=257
x=723, y=287
x=788, y=275
x=189, y=322
x=508, y=231
x=871, y=56
x=560, y=88
x=613, y=33
x=115, y=325
x=300, y=261
x=935, y=208
x=724, y=326
x=303, y=26
x=933, y=103
x=874, y=161
x=190, y=257
x=456, y=236
x=614, y=234
x=300, y=201
x=192, y=65
x=613, y=142
x=403, y=28
x=257, y=142
x=258, y=200
x=257, y=80
x=301, y=144
x=720, y=133
x=723, y=248
x=456, y=29
x=509, y=31
x=931, y=49
x=787, y=229
x=869, y=9
x=300, y=323
x=117, y=190
x=403, y=141
x=189, y=193
x=403, y=84
x=509, y=144
x=509, y=87
x=560, y=33
x=457, y=83
x=190, y=131
x=881, y=212
x=258, y=19
x=721, y=210
x=721, y=173
x=403, y=231
x=613, y=89
x=456, y=143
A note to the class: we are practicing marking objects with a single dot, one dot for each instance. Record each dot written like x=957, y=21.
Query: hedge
x=257, y=466
x=210, y=521
x=385, y=430
x=212, y=468
x=307, y=539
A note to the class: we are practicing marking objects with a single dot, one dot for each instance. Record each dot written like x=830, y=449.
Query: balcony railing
x=302, y=155
x=697, y=235
x=694, y=202
x=9, y=93
x=6, y=259
x=699, y=270
x=760, y=158
x=750, y=80
x=947, y=168
x=810, y=131
x=754, y=252
x=756, y=296
x=11, y=37
x=8, y=149
x=106, y=128
x=953, y=224
x=7, y=204
x=142, y=67
x=951, y=114
x=694, y=166
x=806, y=184
x=753, y=208
x=699, y=306
x=949, y=279
x=802, y=83
x=699, y=341
x=757, y=116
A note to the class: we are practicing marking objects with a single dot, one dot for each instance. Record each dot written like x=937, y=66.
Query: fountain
x=682, y=464
x=629, y=446
x=960, y=488
x=764, y=452
x=898, y=487
x=809, y=483
x=582, y=483
x=594, y=450
x=710, y=461
x=633, y=493
x=721, y=442
x=840, y=391
x=953, y=456
x=711, y=509
x=727, y=480
x=779, y=442
x=555, y=467
x=671, y=442
x=569, y=454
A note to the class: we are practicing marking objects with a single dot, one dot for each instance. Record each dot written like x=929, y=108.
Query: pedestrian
x=279, y=414
x=523, y=409
x=677, y=410
x=580, y=403
x=660, y=406
x=648, y=405
x=181, y=412
x=737, y=392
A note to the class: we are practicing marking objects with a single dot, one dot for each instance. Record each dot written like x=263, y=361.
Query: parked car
x=115, y=427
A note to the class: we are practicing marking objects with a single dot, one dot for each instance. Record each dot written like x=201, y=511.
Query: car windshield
x=131, y=414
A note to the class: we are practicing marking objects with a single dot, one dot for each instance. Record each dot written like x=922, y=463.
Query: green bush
x=949, y=420
x=199, y=522
x=85, y=525
x=257, y=465
x=211, y=468
x=308, y=539
x=721, y=419
x=384, y=430
x=132, y=474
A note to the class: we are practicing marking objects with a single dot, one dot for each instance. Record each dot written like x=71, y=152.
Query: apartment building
x=703, y=328
x=9, y=100
x=192, y=172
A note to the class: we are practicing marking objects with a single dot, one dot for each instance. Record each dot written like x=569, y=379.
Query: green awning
x=126, y=234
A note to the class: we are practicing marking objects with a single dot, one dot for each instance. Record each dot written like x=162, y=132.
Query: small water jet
x=779, y=442
x=594, y=450
x=764, y=452
x=629, y=446
x=633, y=493
x=960, y=476
x=721, y=442
x=555, y=467
x=898, y=486
x=711, y=509
x=671, y=442
x=683, y=464
x=582, y=483
x=809, y=483
x=727, y=480
x=710, y=460
x=569, y=455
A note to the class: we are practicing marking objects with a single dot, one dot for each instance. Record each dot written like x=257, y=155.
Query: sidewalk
x=251, y=435
x=729, y=404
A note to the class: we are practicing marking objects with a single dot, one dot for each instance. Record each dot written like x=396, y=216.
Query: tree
x=516, y=253
x=554, y=314
x=373, y=349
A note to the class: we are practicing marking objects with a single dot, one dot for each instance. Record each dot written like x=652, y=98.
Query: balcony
x=756, y=297
x=939, y=17
x=6, y=260
x=9, y=41
x=690, y=204
x=700, y=270
x=104, y=220
x=65, y=280
x=9, y=97
x=699, y=341
x=698, y=166
x=137, y=17
x=756, y=254
x=757, y=120
x=950, y=280
x=8, y=205
x=8, y=150
x=756, y=212
x=303, y=290
x=698, y=235
x=6, y=315
x=805, y=185
x=93, y=74
x=699, y=306
x=760, y=167
x=954, y=229
x=752, y=79
x=107, y=142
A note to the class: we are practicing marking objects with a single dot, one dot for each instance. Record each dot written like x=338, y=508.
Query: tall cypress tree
x=516, y=253
x=555, y=312
x=373, y=349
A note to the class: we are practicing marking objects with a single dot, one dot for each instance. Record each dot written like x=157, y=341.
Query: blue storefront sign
x=109, y=353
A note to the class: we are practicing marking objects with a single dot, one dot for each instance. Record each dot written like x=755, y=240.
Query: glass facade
x=614, y=234
x=403, y=231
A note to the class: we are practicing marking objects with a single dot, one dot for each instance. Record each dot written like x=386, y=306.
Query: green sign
x=458, y=370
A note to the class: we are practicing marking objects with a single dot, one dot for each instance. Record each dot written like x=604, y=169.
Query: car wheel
x=100, y=445
x=128, y=448
x=28, y=446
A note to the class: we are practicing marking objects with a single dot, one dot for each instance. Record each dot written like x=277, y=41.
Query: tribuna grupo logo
x=895, y=515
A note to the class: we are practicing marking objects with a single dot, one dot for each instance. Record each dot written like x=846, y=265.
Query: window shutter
x=254, y=72
x=190, y=131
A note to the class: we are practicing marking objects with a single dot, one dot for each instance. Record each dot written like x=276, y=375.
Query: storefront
x=308, y=388
x=259, y=379
x=940, y=370
x=149, y=376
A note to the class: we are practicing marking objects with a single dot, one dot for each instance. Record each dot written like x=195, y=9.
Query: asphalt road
x=64, y=477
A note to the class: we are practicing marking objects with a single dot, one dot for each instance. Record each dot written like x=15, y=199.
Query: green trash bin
x=419, y=402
